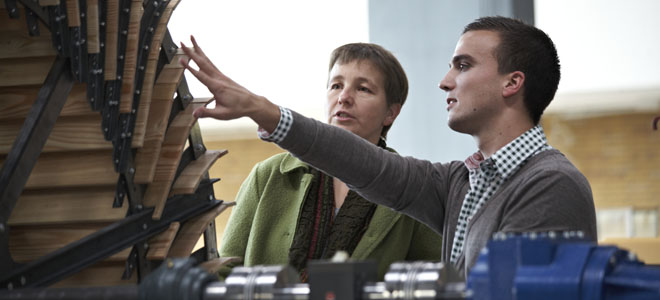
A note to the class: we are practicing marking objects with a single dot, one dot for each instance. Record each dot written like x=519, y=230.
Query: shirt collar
x=509, y=158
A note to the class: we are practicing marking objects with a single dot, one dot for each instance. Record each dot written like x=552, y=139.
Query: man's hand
x=232, y=101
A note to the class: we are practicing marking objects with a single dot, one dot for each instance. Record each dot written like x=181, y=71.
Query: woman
x=288, y=212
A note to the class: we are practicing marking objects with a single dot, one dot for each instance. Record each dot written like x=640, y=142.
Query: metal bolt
x=144, y=226
x=141, y=68
x=145, y=246
x=124, y=32
x=23, y=280
x=137, y=92
x=131, y=170
x=13, y=10
x=118, y=77
x=552, y=235
x=105, y=129
x=151, y=29
x=632, y=256
x=133, y=111
x=211, y=197
x=120, y=57
x=116, y=161
x=146, y=47
x=82, y=15
x=102, y=24
x=10, y=286
x=170, y=264
x=102, y=45
x=157, y=14
x=121, y=195
x=2, y=228
x=155, y=3
x=126, y=10
x=138, y=207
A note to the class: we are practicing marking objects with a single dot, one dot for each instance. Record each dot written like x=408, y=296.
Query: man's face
x=473, y=85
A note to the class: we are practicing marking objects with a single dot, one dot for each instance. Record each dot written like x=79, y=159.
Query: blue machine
x=559, y=266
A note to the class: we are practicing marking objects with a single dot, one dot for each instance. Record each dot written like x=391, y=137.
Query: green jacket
x=263, y=222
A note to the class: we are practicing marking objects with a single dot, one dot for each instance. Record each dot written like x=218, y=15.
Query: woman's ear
x=514, y=83
x=392, y=112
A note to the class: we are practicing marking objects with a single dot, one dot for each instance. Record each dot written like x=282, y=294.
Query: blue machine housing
x=559, y=266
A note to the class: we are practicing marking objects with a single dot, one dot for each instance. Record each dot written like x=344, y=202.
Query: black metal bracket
x=28, y=145
x=12, y=9
x=36, y=9
x=79, y=44
x=32, y=22
x=95, y=81
x=167, y=52
x=59, y=29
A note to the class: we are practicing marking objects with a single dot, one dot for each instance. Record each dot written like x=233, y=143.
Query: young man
x=502, y=76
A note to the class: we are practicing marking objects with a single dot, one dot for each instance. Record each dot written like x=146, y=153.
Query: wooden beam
x=168, y=161
x=27, y=243
x=190, y=177
x=15, y=102
x=214, y=265
x=73, y=13
x=112, y=24
x=160, y=244
x=49, y=2
x=70, y=169
x=130, y=58
x=19, y=43
x=150, y=74
x=58, y=206
x=191, y=231
x=159, y=113
x=24, y=71
x=68, y=134
x=104, y=273
x=93, y=45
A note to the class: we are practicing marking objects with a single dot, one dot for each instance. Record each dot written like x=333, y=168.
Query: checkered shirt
x=486, y=176
x=282, y=129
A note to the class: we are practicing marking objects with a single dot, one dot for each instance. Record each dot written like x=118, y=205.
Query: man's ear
x=514, y=83
x=392, y=112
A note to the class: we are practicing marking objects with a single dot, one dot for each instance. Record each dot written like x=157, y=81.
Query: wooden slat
x=160, y=244
x=190, y=177
x=150, y=74
x=17, y=44
x=159, y=112
x=68, y=134
x=27, y=243
x=93, y=45
x=57, y=206
x=112, y=24
x=9, y=24
x=73, y=13
x=100, y=274
x=15, y=102
x=168, y=161
x=49, y=2
x=130, y=58
x=191, y=231
x=82, y=168
x=214, y=265
x=24, y=71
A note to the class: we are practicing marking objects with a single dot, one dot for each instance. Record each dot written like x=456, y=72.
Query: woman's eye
x=334, y=86
x=364, y=89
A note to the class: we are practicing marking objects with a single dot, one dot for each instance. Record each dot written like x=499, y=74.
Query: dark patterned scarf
x=319, y=233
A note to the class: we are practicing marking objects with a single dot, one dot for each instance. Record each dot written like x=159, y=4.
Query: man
x=502, y=76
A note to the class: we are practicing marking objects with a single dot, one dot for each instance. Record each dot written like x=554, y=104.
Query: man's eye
x=463, y=66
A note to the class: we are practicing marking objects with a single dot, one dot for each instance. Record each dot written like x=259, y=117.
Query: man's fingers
x=203, y=62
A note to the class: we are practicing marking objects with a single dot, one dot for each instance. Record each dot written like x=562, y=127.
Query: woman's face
x=356, y=100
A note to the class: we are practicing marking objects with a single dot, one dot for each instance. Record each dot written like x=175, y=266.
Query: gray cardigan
x=546, y=193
